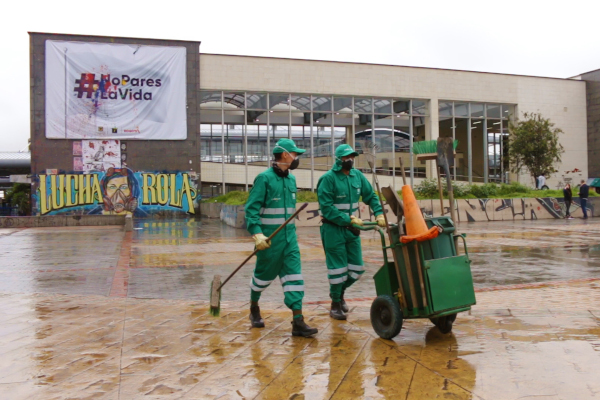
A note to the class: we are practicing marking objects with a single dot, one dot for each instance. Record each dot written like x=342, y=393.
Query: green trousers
x=343, y=256
x=281, y=260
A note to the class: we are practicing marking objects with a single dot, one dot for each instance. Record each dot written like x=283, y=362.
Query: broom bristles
x=428, y=146
x=215, y=296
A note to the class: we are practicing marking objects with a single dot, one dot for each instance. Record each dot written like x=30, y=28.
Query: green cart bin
x=436, y=282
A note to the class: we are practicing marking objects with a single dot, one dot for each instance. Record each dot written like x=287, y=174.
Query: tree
x=534, y=144
x=18, y=197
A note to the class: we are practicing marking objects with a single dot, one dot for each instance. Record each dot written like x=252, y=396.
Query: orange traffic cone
x=416, y=229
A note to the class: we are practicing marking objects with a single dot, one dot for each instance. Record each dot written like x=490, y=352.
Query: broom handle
x=389, y=233
x=268, y=239
x=403, y=173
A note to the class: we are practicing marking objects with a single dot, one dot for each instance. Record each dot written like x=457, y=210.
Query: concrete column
x=432, y=132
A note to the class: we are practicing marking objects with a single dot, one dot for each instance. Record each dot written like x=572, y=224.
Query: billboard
x=115, y=91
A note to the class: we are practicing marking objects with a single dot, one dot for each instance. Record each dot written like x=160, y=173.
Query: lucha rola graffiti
x=118, y=191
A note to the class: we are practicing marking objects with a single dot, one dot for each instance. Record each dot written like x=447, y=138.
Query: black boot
x=336, y=311
x=299, y=328
x=345, y=308
x=255, y=318
x=342, y=301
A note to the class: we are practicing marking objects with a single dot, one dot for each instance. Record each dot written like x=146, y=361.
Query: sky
x=540, y=38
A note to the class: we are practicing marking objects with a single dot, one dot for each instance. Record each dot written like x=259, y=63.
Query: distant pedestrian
x=541, y=181
x=584, y=192
x=568, y=195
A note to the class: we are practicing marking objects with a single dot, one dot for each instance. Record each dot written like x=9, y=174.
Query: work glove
x=380, y=220
x=260, y=241
x=356, y=221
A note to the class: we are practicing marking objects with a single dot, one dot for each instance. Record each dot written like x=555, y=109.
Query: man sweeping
x=272, y=200
x=339, y=191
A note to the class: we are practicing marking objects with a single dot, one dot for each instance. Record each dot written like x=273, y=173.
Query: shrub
x=428, y=189
x=512, y=188
x=306, y=196
x=484, y=191
x=234, y=198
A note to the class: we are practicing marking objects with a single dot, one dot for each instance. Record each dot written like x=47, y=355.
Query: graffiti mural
x=118, y=191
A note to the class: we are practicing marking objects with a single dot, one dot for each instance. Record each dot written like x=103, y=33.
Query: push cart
x=431, y=281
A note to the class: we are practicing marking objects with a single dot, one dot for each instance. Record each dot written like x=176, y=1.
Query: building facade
x=248, y=103
x=233, y=109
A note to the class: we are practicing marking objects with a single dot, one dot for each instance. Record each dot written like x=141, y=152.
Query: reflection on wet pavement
x=93, y=312
x=178, y=259
x=514, y=344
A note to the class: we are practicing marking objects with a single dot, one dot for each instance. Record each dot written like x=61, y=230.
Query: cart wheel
x=386, y=316
x=444, y=323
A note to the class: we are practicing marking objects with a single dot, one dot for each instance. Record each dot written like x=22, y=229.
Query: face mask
x=294, y=164
x=348, y=164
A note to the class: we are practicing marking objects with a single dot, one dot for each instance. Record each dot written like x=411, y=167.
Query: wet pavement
x=178, y=259
x=94, y=312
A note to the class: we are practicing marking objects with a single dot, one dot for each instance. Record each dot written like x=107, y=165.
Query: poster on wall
x=77, y=148
x=100, y=155
x=77, y=164
x=115, y=91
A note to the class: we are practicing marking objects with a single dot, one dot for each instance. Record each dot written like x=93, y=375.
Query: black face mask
x=347, y=165
x=279, y=172
x=295, y=163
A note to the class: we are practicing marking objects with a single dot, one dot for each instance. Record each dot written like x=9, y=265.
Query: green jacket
x=271, y=202
x=339, y=195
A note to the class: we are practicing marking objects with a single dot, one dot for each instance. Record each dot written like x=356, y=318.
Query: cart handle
x=369, y=226
x=463, y=237
x=373, y=226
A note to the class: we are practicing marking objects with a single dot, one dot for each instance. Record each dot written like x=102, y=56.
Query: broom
x=371, y=155
x=427, y=149
x=216, y=285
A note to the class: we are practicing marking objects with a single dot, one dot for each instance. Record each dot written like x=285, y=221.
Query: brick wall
x=142, y=155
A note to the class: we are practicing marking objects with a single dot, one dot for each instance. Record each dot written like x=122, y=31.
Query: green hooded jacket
x=339, y=193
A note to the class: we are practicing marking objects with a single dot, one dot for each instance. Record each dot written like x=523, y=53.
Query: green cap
x=345, y=150
x=286, y=145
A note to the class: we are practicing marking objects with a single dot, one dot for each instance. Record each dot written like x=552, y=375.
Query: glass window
x=322, y=103
x=445, y=108
x=462, y=150
x=494, y=138
x=210, y=99
x=279, y=101
x=343, y=104
x=363, y=105
x=419, y=107
x=493, y=110
x=322, y=147
x=477, y=150
x=233, y=100
x=461, y=109
x=401, y=107
x=300, y=102
x=477, y=110
x=420, y=166
x=507, y=110
x=256, y=101
x=382, y=106
x=257, y=144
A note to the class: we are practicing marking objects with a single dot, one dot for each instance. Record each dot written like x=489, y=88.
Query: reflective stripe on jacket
x=271, y=202
x=339, y=195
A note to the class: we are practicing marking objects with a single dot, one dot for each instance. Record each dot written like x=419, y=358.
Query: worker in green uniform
x=339, y=191
x=271, y=202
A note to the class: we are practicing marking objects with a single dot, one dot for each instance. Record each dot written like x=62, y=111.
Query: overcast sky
x=542, y=38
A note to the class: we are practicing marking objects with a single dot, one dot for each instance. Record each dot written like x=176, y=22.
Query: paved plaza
x=95, y=312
